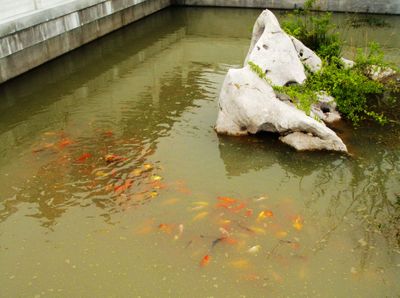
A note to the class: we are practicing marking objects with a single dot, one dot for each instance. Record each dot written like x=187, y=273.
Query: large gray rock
x=248, y=103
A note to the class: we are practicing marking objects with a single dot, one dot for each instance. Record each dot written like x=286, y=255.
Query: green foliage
x=257, y=69
x=372, y=56
x=315, y=30
x=351, y=87
x=301, y=95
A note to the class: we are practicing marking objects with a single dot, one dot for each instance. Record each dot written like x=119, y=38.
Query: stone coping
x=26, y=20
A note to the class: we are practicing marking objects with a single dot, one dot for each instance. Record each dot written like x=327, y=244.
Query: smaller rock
x=347, y=63
x=304, y=141
x=378, y=73
x=325, y=108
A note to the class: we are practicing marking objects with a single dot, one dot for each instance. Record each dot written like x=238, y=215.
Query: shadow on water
x=244, y=154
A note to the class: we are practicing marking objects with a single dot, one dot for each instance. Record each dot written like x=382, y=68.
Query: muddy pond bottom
x=113, y=182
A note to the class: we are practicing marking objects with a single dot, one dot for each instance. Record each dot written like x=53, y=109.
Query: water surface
x=113, y=182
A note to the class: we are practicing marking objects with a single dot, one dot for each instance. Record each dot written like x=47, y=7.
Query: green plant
x=301, y=95
x=351, y=87
x=315, y=30
x=257, y=69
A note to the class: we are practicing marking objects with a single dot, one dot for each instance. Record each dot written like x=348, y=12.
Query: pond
x=113, y=182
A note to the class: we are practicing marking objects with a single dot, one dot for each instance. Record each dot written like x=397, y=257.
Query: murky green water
x=113, y=182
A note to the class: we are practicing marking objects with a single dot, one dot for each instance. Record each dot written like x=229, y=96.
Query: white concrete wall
x=32, y=38
x=12, y=8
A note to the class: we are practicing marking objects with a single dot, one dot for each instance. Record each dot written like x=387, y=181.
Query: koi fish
x=136, y=172
x=225, y=224
x=166, y=228
x=158, y=185
x=230, y=240
x=224, y=231
x=153, y=194
x=182, y=188
x=281, y=234
x=238, y=208
x=171, y=201
x=264, y=214
x=298, y=223
x=240, y=264
x=257, y=230
x=249, y=212
x=200, y=203
x=64, y=143
x=199, y=216
x=261, y=199
x=45, y=146
x=205, y=260
x=197, y=208
x=120, y=188
x=110, y=158
x=227, y=200
x=108, y=133
x=224, y=205
x=216, y=241
x=147, y=167
x=156, y=178
x=101, y=174
x=49, y=133
x=83, y=157
x=254, y=249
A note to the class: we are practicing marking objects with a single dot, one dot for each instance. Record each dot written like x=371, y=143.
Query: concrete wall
x=29, y=40
x=35, y=31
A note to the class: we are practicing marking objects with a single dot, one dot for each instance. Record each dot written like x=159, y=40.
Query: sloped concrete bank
x=34, y=37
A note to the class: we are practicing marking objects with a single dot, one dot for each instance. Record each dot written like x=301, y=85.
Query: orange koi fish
x=108, y=133
x=83, y=157
x=230, y=240
x=205, y=260
x=227, y=200
x=64, y=143
x=224, y=205
x=249, y=212
x=166, y=228
x=182, y=188
x=120, y=188
x=238, y=207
